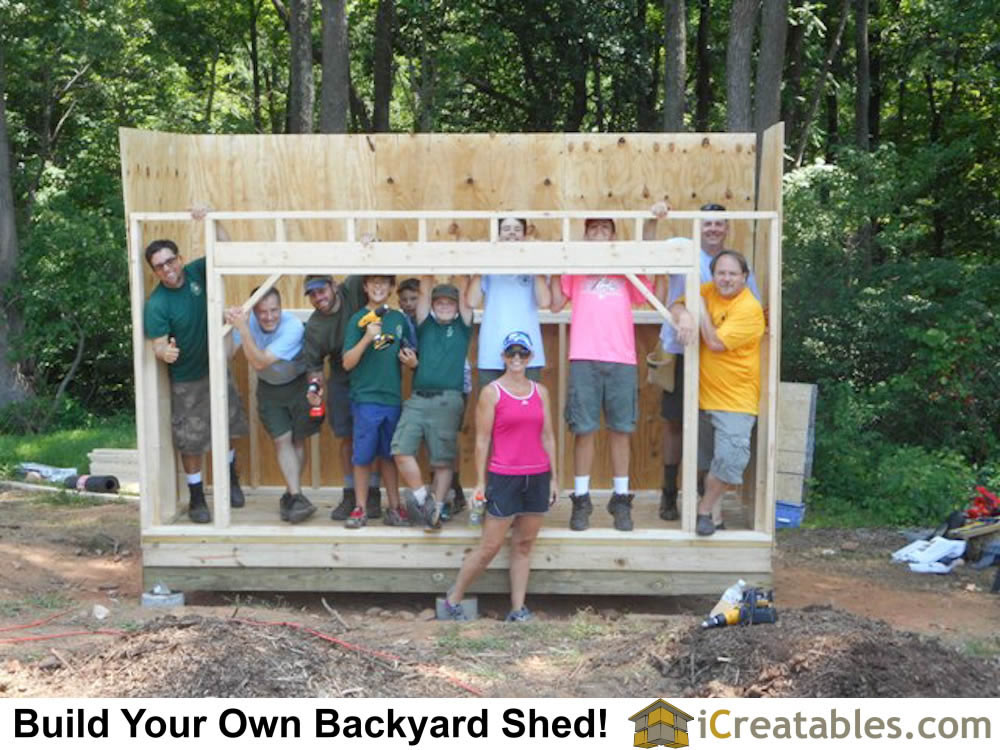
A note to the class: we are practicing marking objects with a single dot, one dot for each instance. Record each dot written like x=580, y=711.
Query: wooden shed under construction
x=298, y=204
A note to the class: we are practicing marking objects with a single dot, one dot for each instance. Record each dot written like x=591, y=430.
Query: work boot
x=299, y=509
x=373, y=504
x=283, y=504
x=236, y=497
x=579, y=519
x=198, y=508
x=347, y=503
x=620, y=506
x=705, y=526
x=668, y=505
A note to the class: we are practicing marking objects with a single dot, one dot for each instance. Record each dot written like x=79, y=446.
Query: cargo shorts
x=191, y=415
x=724, y=444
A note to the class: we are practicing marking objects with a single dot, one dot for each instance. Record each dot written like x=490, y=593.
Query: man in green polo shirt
x=175, y=317
x=433, y=413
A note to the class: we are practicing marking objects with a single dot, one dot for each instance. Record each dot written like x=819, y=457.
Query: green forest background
x=892, y=180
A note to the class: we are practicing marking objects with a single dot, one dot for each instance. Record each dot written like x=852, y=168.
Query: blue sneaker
x=454, y=611
x=520, y=615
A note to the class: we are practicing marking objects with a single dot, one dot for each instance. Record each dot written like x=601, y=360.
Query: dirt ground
x=851, y=624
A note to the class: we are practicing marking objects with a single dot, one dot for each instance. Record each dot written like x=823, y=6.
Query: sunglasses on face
x=712, y=207
x=517, y=351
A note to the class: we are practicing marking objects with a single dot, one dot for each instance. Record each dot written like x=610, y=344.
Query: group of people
x=366, y=345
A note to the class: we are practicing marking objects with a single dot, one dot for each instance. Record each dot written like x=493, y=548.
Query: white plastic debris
x=100, y=612
x=935, y=550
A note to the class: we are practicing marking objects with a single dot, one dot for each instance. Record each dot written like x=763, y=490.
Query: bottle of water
x=731, y=598
x=476, y=510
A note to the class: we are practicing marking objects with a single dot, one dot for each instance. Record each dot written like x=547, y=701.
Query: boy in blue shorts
x=374, y=347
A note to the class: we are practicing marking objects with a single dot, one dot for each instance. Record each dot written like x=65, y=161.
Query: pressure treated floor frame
x=261, y=554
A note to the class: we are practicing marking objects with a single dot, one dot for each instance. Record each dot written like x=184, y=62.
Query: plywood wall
x=168, y=172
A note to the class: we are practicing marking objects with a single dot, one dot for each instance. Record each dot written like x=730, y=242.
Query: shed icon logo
x=660, y=723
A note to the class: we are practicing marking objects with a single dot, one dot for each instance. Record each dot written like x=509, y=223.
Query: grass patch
x=454, y=642
x=982, y=648
x=67, y=499
x=65, y=448
x=48, y=601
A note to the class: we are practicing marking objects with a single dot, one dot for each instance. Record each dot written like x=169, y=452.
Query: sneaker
x=620, y=506
x=198, y=508
x=347, y=503
x=356, y=520
x=447, y=510
x=393, y=517
x=427, y=511
x=705, y=526
x=299, y=508
x=236, y=497
x=668, y=506
x=579, y=519
x=283, y=504
x=454, y=612
x=720, y=526
x=520, y=615
x=373, y=504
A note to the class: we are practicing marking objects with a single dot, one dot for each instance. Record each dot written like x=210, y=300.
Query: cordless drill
x=316, y=412
x=756, y=607
x=382, y=340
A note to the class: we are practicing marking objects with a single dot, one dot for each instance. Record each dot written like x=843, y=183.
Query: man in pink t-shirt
x=602, y=374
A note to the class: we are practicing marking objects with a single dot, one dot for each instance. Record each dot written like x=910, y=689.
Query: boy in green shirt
x=434, y=410
x=374, y=346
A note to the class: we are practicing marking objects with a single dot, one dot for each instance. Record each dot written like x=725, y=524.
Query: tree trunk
x=645, y=116
x=875, y=68
x=385, y=22
x=742, y=20
x=863, y=90
x=301, y=90
x=794, y=51
x=334, y=96
x=674, y=64
x=11, y=387
x=770, y=64
x=831, y=54
x=703, y=74
x=254, y=9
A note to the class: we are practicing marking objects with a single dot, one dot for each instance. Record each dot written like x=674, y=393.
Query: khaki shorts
x=595, y=386
x=284, y=409
x=432, y=418
x=190, y=415
x=724, y=444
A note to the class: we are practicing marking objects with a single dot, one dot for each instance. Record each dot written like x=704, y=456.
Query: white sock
x=194, y=478
x=232, y=455
x=581, y=485
x=420, y=494
x=621, y=485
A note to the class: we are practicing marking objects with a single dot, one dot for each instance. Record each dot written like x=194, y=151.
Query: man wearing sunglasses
x=714, y=233
x=175, y=317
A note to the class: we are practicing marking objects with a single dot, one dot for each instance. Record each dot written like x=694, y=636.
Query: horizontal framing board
x=437, y=580
x=410, y=550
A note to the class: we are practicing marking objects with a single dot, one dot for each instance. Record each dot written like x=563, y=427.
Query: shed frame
x=261, y=554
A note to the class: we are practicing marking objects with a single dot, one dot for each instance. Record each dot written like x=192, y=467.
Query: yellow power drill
x=756, y=607
x=375, y=316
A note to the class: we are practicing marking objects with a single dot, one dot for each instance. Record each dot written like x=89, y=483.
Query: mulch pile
x=202, y=656
x=819, y=652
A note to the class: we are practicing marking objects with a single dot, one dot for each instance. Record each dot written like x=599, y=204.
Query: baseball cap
x=316, y=281
x=518, y=338
x=445, y=290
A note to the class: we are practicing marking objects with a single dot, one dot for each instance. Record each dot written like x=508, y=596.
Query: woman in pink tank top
x=519, y=482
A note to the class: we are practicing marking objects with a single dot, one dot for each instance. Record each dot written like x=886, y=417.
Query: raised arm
x=543, y=295
x=474, y=292
x=462, y=283
x=424, y=300
x=659, y=211
x=258, y=358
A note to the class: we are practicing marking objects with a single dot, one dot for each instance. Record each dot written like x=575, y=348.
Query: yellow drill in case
x=755, y=607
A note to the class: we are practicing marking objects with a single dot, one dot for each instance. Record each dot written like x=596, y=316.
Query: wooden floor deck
x=258, y=553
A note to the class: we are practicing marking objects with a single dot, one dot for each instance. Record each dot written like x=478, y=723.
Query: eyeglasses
x=712, y=207
x=161, y=266
x=517, y=351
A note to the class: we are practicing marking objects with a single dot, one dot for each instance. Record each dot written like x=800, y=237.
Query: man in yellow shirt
x=731, y=327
